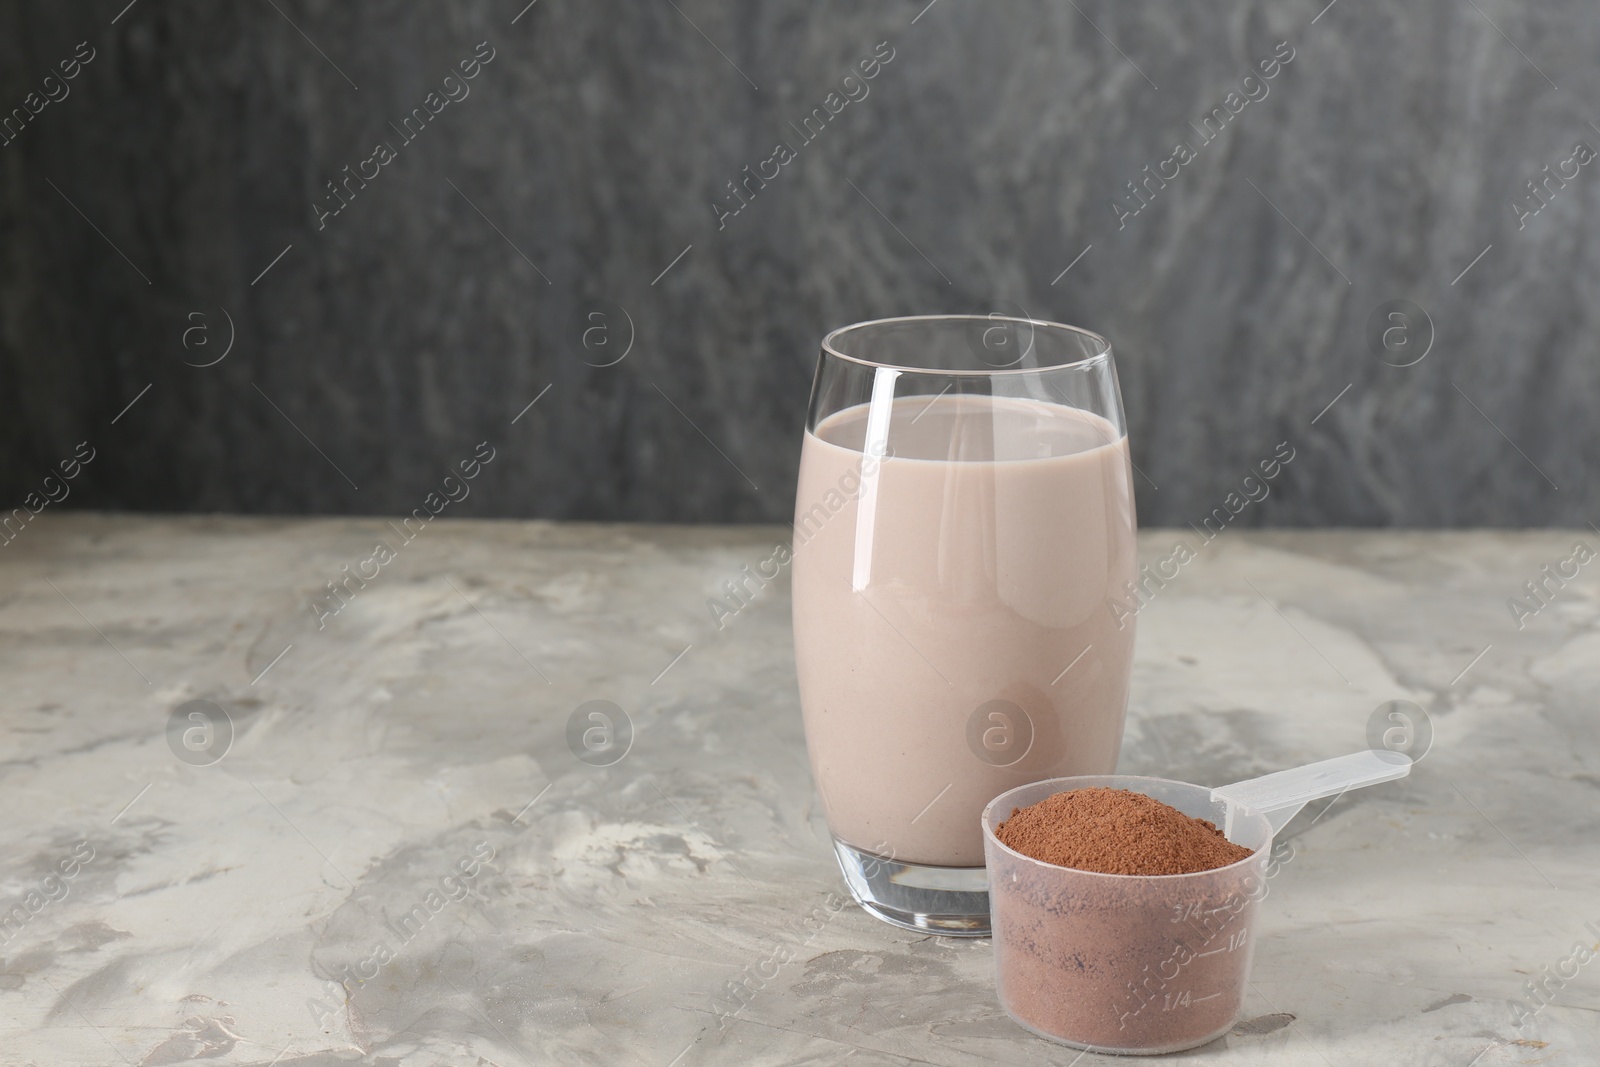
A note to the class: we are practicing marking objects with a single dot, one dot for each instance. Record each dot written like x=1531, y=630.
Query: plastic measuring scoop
x=1280, y=795
x=1146, y=963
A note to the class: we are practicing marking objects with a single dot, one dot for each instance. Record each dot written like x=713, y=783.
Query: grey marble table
x=399, y=859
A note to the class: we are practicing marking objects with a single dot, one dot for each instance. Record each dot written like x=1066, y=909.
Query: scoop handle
x=1280, y=795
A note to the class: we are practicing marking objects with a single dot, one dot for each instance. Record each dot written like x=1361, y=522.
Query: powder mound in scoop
x=1116, y=831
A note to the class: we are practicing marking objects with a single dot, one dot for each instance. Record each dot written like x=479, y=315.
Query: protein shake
x=952, y=568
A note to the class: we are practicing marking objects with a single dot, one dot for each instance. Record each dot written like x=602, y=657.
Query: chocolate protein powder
x=1129, y=927
x=1117, y=831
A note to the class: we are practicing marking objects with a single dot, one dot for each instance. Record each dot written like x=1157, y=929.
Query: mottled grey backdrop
x=192, y=150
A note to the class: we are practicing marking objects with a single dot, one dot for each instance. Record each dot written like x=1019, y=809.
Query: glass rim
x=830, y=347
x=989, y=834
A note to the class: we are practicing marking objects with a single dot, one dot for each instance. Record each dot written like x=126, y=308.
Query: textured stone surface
x=626, y=906
x=1384, y=159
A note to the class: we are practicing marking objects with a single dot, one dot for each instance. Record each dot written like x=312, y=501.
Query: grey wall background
x=454, y=289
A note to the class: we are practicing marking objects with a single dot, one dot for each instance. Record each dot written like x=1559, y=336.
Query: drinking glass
x=963, y=561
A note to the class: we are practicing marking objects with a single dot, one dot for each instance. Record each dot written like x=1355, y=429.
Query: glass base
x=948, y=901
x=1108, y=1050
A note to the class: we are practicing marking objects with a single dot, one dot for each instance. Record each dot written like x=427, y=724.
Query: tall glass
x=964, y=534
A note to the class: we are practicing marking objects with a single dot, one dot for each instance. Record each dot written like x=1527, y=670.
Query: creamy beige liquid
x=968, y=566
